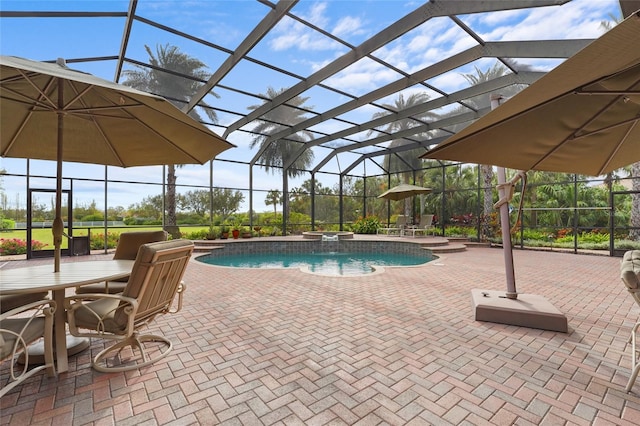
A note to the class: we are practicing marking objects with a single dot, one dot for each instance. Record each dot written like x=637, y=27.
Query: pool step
x=205, y=246
x=442, y=245
x=434, y=242
x=449, y=248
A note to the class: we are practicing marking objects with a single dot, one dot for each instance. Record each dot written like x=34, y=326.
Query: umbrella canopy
x=51, y=112
x=403, y=191
x=104, y=122
x=581, y=117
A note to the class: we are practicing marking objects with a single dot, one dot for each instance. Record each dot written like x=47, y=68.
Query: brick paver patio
x=262, y=347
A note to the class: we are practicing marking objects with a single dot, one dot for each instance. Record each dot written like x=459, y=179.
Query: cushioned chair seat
x=12, y=301
x=14, y=327
x=103, y=311
x=630, y=275
x=111, y=287
x=20, y=327
x=630, y=269
x=127, y=249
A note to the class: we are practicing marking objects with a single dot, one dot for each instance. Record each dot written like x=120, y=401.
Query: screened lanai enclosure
x=328, y=104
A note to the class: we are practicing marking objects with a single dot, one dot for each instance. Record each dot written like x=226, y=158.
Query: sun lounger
x=401, y=222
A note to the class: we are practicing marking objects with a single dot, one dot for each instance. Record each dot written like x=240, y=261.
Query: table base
x=75, y=345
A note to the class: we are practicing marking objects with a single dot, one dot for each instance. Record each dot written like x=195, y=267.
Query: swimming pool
x=341, y=258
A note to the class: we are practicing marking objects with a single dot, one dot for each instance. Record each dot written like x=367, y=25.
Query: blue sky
x=290, y=45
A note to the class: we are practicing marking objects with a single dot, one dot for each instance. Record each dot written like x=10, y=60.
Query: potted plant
x=224, y=232
x=211, y=233
x=246, y=232
x=235, y=230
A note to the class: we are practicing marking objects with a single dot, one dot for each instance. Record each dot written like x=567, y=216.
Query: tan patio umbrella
x=582, y=117
x=51, y=112
x=403, y=191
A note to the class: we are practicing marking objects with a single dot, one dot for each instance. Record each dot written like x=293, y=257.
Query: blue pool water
x=328, y=263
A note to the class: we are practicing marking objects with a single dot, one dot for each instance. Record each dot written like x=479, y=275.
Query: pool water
x=327, y=263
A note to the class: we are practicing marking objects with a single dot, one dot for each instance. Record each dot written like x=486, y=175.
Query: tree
x=273, y=197
x=486, y=171
x=195, y=201
x=178, y=90
x=226, y=201
x=279, y=152
x=405, y=163
x=147, y=210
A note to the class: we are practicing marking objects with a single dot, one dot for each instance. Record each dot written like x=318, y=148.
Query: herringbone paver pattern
x=262, y=347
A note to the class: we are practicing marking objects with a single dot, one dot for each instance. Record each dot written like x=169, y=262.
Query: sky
x=290, y=45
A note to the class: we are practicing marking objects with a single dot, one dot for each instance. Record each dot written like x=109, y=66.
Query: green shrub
x=366, y=225
x=92, y=218
x=628, y=245
x=6, y=224
x=97, y=240
x=534, y=234
x=459, y=231
x=196, y=235
x=137, y=221
x=594, y=237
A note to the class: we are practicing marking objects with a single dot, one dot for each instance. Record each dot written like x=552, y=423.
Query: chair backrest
x=630, y=273
x=130, y=242
x=155, y=278
x=426, y=220
x=401, y=221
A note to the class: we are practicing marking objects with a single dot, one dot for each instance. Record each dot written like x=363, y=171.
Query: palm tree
x=277, y=153
x=404, y=163
x=486, y=171
x=178, y=90
x=273, y=197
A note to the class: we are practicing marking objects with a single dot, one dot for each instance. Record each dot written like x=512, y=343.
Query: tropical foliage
x=278, y=153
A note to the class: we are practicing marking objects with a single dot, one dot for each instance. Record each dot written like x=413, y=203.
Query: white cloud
x=578, y=19
x=292, y=34
x=348, y=25
x=362, y=76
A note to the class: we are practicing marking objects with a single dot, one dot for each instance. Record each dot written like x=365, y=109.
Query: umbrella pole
x=58, y=225
x=505, y=224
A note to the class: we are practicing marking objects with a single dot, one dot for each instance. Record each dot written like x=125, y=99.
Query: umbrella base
x=527, y=310
x=75, y=345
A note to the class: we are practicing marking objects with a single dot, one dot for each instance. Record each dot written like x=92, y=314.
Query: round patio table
x=35, y=279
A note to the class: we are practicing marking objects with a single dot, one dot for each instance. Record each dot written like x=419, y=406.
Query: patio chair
x=9, y=302
x=154, y=282
x=426, y=224
x=401, y=222
x=630, y=275
x=19, y=327
x=127, y=249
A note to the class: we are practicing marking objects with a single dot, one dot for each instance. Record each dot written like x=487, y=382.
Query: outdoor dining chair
x=19, y=327
x=155, y=280
x=127, y=249
x=630, y=275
